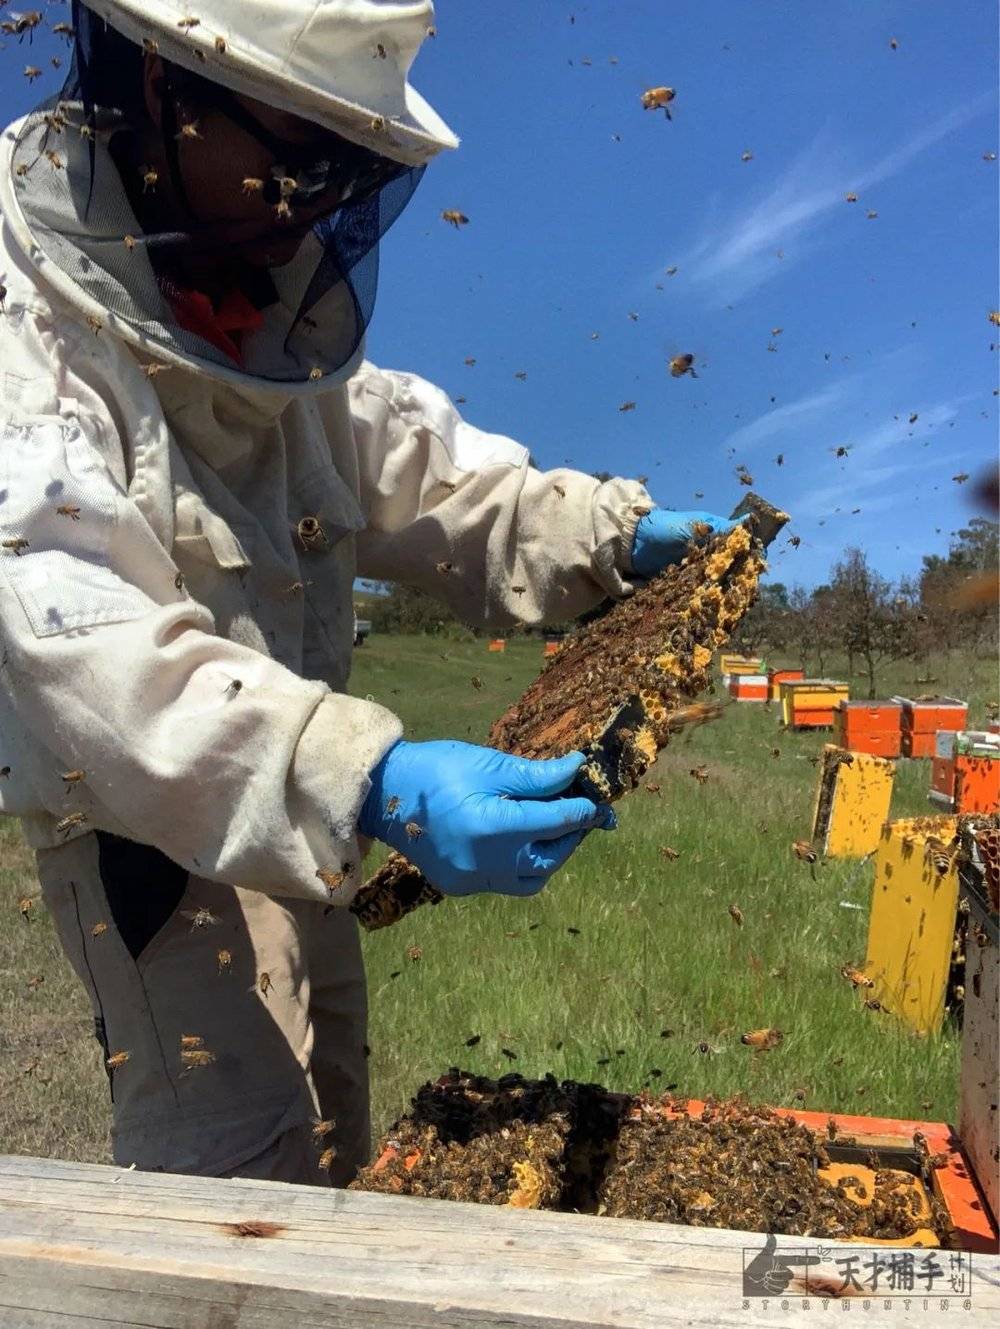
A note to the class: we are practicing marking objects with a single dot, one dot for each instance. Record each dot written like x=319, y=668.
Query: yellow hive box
x=741, y=664
x=852, y=802
x=912, y=923
x=811, y=694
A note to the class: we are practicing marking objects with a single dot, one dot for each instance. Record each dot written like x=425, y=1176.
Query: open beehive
x=618, y=687
x=578, y=1148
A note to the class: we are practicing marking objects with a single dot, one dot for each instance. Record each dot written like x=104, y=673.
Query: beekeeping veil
x=342, y=65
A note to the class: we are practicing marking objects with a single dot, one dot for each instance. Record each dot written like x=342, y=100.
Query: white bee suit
x=167, y=630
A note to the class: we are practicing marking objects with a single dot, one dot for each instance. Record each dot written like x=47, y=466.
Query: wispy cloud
x=790, y=416
x=740, y=256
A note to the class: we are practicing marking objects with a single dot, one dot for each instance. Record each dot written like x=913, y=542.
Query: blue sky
x=579, y=200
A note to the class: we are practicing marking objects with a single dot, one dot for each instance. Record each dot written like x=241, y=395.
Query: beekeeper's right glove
x=472, y=819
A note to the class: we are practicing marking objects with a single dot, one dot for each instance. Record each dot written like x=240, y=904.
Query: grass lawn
x=623, y=970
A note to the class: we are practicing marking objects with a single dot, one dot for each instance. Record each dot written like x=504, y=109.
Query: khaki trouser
x=273, y=989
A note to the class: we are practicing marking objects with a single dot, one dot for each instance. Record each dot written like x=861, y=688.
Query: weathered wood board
x=83, y=1245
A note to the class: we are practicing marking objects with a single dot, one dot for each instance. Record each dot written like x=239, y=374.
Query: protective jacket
x=179, y=550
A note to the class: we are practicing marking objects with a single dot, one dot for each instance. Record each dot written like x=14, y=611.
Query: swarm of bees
x=572, y=1147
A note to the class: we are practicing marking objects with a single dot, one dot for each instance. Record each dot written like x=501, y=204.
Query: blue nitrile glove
x=662, y=537
x=472, y=819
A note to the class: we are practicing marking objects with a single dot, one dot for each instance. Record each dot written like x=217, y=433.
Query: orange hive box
x=870, y=726
x=965, y=772
x=924, y=716
x=775, y=678
x=748, y=687
x=551, y=648
x=498, y=644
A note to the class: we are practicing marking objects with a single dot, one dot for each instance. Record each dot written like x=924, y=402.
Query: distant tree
x=765, y=626
x=866, y=615
x=408, y=610
x=957, y=591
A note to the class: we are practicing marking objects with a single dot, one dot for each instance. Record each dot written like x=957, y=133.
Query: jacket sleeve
x=463, y=515
x=130, y=714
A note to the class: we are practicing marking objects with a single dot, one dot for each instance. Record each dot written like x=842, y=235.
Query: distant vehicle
x=362, y=628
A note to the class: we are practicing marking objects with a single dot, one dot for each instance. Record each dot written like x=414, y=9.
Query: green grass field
x=618, y=972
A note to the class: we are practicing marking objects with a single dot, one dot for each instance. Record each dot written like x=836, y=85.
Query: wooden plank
x=83, y=1245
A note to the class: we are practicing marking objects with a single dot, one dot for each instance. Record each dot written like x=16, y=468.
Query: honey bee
x=989, y=156
x=192, y=1058
x=200, y=918
x=803, y=850
x=283, y=210
x=444, y=568
x=380, y=52
x=332, y=880
x=511, y=1056
x=762, y=1040
x=851, y=197
x=831, y=1129
x=454, y=218
x=179, y=582
x=658, y=99
x=476, y=682
x=225, y=960
x=700, y=773
x=264, y=983
x=414, y=953
x=994, y=317
x=151, y=370
x=55, y=122
x=99, y=929
x=651, y=788
x=188, y=23
x=841, y=451
x=736, y=914
x=189, y=1041
x=326, y=1158
x=31, y=72
x=310, y=533
x=68, y=510
x=94, y=324
x=627, y=406
x=150, y=178
x=234, y=688
x=873, y=1005
x=855, y=977
x=672, y=271
x=413, y=830
x=871, y=214
x=795, y=541
x=21, y=169
x=893, y=44
x=72, y=778
x=3, y=298
x=914, y=417
x=746, y=155
x=392, y=805
x=220, y=45
x=70, y=823
x=315, y=374
x=473, y=1040
x=469, y=360
x=25, y=907
x=559, y=490
x=521, y=375
x=321, y=1129
x=150, y=46
x=251, y=185
x=681, y=365
x=117, y=1060
x=188, y=130
x=15, y=545
x=745, y=478
x=671, y=855
x=935, y=1161
x=961, y=478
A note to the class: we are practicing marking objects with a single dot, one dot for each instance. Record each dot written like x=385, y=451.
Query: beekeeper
x=196, y=461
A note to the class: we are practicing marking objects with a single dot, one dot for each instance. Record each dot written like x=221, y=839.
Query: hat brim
x=413, y=138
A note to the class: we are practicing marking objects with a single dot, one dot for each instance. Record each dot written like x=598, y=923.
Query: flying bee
x=795, y=541
x=310, y=533
x=283, y=210
x=70, y=823
x=31, y=72
x=994, y=317
x=989, y=156
x=99, y=929
x=188, y=130
x=872, y=1005
x=454, y=218
x=315, y=374
x=626, y=406
x=224, y=960
x=200, y=918
x=73, y=778
x=220, y=45
x=841, y=451
x=332, y=880
x=413, y=830
x=54, y=160
x=871, y=214
x=117, y=1060
x=736, y=914
x=188, y=23
x=192, y=1058
x=150, y=46
x=55, y=122
x=851, y=197
x=681, y=365
x=762, y=1040
x=658, y=99
x=392, y=805
x=414, y=953
x=519, y=590
x=150, y=178
x=651, y=788
x=700, y=773
x=855, y=977
x=746, y=155
x=251, y=185
x=961, y=478
x=803, y=850
x=745, y=478
x=15, y=545
x=521, y=375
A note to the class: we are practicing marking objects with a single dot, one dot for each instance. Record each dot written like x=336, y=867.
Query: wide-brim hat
x=341, y=64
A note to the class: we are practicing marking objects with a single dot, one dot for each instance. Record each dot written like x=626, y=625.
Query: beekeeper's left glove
x=662, y=537
x=473, y=819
